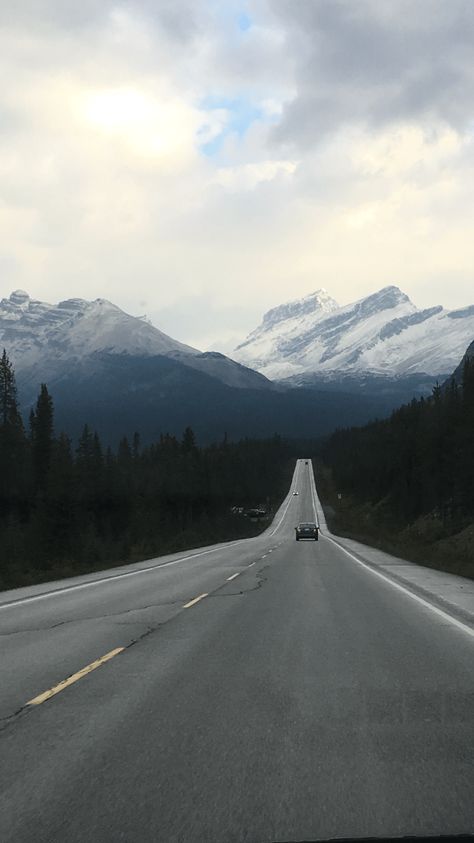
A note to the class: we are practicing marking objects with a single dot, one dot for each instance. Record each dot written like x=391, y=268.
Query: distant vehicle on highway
x=295, y=493
x=307, y=530
x=256, y=512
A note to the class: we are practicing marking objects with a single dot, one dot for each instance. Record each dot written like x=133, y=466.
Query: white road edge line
x=233, y=576
x=69, y=588
x=440, y=612
x=290, y=497
x=91, y=583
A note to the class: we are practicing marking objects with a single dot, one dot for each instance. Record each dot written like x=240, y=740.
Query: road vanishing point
x=258, y=690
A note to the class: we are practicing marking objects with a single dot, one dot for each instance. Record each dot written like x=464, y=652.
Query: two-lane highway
x=256, y=691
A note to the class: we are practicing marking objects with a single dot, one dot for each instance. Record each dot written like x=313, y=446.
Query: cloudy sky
x=200, y=161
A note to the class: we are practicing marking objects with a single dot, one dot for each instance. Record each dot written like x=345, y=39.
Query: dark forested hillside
x=118, y=394
x=408, y=481
x=68, y=508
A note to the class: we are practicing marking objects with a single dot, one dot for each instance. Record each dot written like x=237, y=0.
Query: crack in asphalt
x=10, y=719
x=104, y=616
x=260, y=582
x=34, y=629
x=101, y=616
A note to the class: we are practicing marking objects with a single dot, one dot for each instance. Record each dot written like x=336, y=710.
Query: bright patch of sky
x=237, y=115
x=244, y=21
x=239, y=152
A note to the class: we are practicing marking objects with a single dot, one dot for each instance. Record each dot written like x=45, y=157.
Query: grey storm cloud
x=179, y=19
x=61, y=13
x=373, y=62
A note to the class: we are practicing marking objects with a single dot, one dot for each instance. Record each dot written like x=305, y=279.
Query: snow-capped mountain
x=44, y=341
x=384, y=335
x=120, y=375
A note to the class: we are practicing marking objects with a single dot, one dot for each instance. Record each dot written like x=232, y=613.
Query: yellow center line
x=196, y=600
x=46, y=695
x=233, y=576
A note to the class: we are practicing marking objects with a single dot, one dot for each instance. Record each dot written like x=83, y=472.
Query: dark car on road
x=307, y=530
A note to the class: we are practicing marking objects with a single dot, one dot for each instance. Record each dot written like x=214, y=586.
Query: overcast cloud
x=377, y=63
x=203, y=161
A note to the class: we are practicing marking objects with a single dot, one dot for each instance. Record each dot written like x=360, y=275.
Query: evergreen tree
x=63, y=511
x=136, y=446
x=42, y=425
x=9, y=413
x=86, y=462
x=468, y=382
x=188, y=442
x=85, y=446
x=13, y=450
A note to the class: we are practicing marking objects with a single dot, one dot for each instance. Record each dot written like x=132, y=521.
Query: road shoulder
x=453, y=593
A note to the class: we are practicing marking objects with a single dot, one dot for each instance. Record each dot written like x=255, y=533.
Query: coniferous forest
x=407, y=482
x=67, y=507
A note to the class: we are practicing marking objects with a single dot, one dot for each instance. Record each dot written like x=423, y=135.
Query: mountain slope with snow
x=69, y=330
x=120, y=375
x=384, y=335
x=45, y=341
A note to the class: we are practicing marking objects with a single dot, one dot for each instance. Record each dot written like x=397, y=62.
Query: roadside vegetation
x=70, y=508
x=406, y=484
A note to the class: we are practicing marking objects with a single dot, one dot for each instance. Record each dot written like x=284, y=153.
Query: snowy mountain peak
x=73, y=304
x=386, y=298
x=47, y=341
x=19, y=297
x=383, y=333
x=17, y=301
x=35, y=332
x=318, y=301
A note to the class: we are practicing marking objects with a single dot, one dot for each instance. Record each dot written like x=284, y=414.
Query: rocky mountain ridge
x=45, y=341
x=383, y=335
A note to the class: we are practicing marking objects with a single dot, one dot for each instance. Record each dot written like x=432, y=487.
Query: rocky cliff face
x=383, y=335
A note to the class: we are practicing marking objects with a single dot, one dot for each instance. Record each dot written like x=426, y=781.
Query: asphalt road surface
x=301, y=697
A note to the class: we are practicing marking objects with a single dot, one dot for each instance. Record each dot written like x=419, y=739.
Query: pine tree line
x=417, y=463
x=66, y=508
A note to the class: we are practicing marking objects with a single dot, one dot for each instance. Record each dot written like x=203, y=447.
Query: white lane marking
x=290, y=498
x=312, y=486
x=233, y=577
x=146, y=570
x=250, y=565
x=440, y=612
x=69, y=588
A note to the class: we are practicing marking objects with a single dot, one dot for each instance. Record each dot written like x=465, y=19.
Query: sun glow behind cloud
x=158, y=126
x=153, y=154
x=119, y=109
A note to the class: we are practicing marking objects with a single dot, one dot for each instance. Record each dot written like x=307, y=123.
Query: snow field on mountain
x=381, y=334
